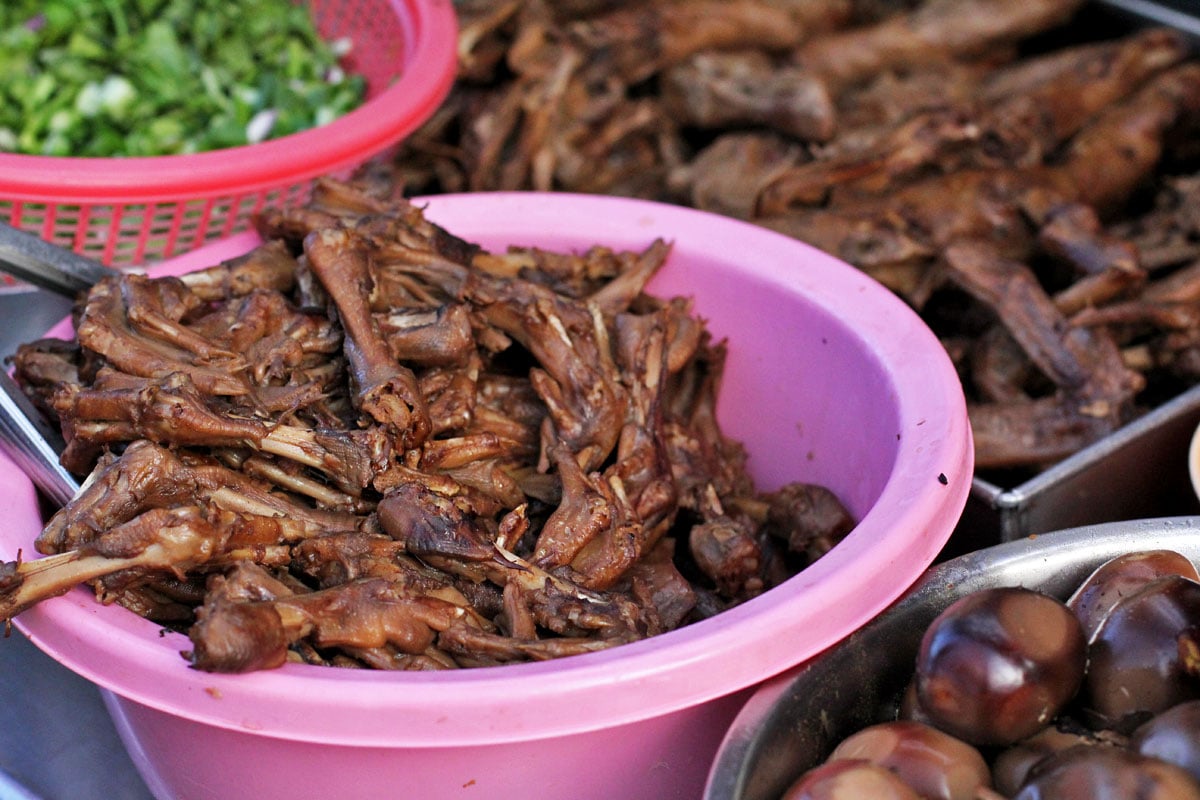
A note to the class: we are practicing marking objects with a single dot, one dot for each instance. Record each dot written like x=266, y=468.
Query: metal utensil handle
x=32, y=444
x=34, y=260
x=1182, y=15
x=12, y=788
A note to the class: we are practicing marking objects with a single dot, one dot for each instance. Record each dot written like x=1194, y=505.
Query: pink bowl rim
x=905, y=530
x=430, y=64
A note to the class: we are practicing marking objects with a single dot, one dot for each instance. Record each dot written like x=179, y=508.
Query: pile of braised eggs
x=1017, y=694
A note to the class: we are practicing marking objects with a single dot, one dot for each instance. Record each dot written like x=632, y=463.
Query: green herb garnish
x=164, y=77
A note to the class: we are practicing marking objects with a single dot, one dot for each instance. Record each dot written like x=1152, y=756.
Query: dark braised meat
x=900, y=137
x=370, y=443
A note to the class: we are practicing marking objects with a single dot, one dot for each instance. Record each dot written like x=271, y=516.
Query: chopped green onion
x=159, y=77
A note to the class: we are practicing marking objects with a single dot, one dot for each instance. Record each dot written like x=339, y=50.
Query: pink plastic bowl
x=830, y=379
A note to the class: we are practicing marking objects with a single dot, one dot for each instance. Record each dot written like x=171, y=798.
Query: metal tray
x=793, y=721
x=1137, y=472
x=1140, y=470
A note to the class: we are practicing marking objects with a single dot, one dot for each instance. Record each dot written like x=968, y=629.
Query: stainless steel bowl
x=793, y=721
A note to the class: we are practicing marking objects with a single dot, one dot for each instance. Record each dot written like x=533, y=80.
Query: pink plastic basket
x=130, y=211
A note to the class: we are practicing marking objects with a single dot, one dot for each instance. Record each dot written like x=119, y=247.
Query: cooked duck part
x=937, y=30
x=270, y=267
x=238, y=636
x=385, y=389
x=147, y=476
x=635, y=42
x=147, y=344
x=575, y=377
x=938, y=124
x=427, y=456
x=161, y=540
x=1093, y=384
x=809, y=517
x=715, y=90
x=1020, y=116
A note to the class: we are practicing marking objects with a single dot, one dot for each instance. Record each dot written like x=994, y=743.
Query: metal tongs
x=25, y=436
x=1183, y=15
x=45, y=265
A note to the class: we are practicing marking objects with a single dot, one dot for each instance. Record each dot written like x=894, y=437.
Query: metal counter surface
x=55, y=734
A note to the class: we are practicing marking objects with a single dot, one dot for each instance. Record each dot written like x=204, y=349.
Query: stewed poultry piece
x=370, y=443
x=906, y=138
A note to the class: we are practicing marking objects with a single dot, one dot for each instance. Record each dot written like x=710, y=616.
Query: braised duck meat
x=884, y=133
x=1020, y=114
x=370, y=443
x=937, y=30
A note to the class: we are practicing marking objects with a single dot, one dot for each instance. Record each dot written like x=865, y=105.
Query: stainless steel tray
x=793, y=721
x=1137, y=472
